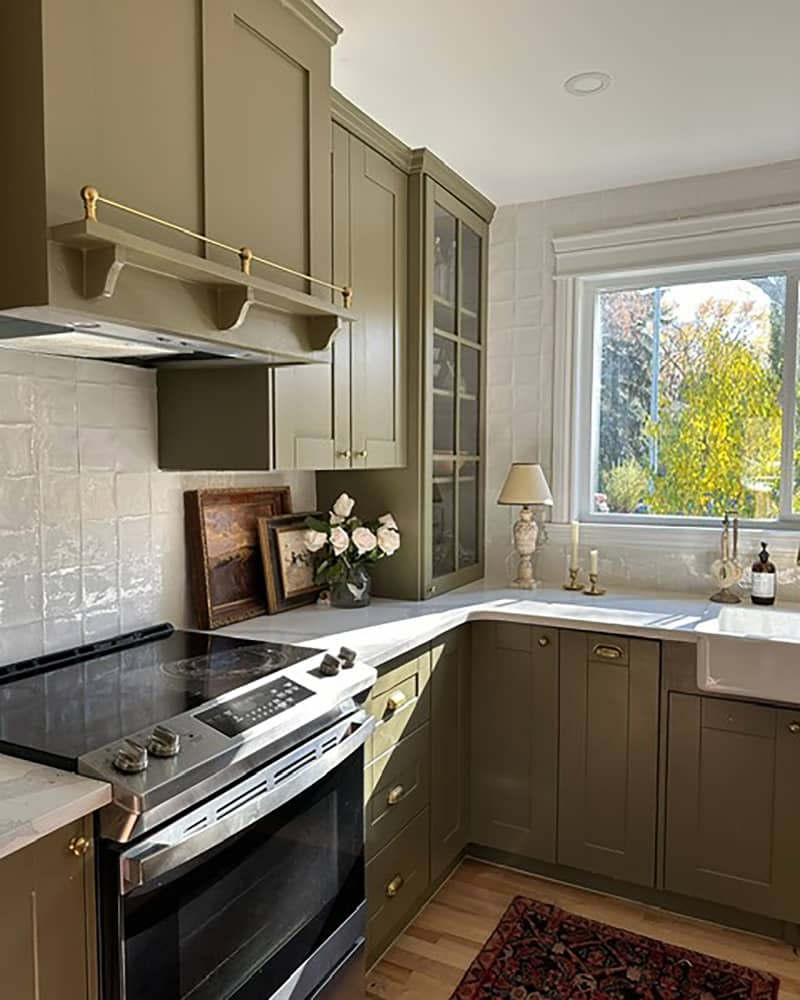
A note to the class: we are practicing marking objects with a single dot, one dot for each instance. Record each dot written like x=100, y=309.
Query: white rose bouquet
x=344, y=542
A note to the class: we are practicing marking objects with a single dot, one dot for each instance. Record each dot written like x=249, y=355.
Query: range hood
x=115, y=296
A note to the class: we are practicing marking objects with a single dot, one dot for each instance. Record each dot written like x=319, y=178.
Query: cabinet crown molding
x=359, y=123
x=423, y=161
x=315, y=17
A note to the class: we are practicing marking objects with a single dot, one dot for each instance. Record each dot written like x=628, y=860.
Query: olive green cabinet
x=608, y=755
x=733, y=804
x=47, y=939
x=514, y=756
x=450, y=749
x=352, y=413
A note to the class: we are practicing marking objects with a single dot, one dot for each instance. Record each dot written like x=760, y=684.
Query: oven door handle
x=200, y=830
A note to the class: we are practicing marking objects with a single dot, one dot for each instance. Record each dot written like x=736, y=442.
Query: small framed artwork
x=288, y=565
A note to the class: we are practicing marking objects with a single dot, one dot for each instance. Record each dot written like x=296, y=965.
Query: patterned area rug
x=539, y=952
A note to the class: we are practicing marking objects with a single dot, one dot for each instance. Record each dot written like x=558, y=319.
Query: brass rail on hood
x=92, y=197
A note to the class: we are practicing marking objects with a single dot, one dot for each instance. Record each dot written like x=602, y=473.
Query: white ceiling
x=698, y=86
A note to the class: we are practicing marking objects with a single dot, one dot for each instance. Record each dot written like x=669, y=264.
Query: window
x=693, y=398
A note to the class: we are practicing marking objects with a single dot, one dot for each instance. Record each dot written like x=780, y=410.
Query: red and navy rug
x=539, y=952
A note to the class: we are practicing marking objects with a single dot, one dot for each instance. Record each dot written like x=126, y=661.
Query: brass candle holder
x=574, y=573
x=593, y=590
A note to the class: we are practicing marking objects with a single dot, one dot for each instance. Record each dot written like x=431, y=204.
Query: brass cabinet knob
x=344, y=454
x=608, y=652
x=794, y=728
x=362, y=453
x=79, y=846
x=396, y=700
x=393, y=887
x=395, y=795
x=543, y=641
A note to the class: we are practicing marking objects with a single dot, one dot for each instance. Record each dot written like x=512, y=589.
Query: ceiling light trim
x=587, y=84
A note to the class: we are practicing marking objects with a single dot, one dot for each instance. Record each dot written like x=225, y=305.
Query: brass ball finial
x=90, y=195
x=246, y=257
x=347, y=296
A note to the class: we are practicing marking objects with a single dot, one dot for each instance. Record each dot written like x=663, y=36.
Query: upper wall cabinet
x=266, y=127
x=358, y=419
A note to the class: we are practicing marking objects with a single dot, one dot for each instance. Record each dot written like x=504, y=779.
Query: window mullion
x=789, y=396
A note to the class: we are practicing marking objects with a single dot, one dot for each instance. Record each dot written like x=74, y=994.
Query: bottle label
x=763, y=584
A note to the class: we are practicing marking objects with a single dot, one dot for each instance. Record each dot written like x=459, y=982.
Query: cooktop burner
x=56, y=708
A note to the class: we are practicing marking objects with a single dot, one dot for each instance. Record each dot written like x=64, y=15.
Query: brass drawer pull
x=396, y=700
x=393, y=887
x=794, y=728
x=543, y=641
x=607, y=652
x=395, y=795
x=79, y=846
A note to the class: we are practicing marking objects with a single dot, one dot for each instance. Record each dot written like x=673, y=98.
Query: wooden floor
x=429, y=959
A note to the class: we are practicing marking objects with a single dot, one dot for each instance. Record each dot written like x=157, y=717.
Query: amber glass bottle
x=764, y=578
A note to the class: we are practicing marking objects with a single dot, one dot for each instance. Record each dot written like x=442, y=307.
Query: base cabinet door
x=47, y=943
x=608, y=755
x=733, y=804
x=450, y=722
x=514, y=757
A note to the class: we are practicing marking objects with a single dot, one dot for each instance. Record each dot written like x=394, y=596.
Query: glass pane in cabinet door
x=444, y=364
x=470, y=284
x=468, y=514
x=444, y=270
x=468, y=408
x=443, y=535
x=444, y=422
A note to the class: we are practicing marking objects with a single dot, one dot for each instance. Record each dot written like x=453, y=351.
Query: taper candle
x=576, y=534
x=593, y=562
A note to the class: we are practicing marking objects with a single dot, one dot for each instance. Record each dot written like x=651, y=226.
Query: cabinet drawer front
x=397, y=787
x=397, y=881
x=399, y=703
x=738, y=717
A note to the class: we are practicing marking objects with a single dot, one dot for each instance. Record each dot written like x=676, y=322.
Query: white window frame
x=737, y=245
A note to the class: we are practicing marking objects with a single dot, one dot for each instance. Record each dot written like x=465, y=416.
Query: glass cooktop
x=56, y=708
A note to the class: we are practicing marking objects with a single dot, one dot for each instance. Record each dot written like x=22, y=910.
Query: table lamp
x=525, y=485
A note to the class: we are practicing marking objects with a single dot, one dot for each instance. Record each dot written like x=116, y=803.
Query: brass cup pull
x=393, y=887
x=607, y=652
x=395, y=795
x=543, y=641
x=79, y=846
x=794, y=728
x=396, y=700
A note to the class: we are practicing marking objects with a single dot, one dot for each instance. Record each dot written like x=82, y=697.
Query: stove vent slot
x=295, y=766
x=196, y=827
x=236, y=803
x=329, y=744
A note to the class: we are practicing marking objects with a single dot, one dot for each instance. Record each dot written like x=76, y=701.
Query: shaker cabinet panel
x=514, y=757
x=47, y=942
x=733, y=804
x=450, y=757
x=267, y=136
x=608, y=755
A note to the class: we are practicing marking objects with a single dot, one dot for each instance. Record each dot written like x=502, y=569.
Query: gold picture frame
x=288, y=566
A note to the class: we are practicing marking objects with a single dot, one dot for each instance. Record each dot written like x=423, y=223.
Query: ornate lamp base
x=526, y=532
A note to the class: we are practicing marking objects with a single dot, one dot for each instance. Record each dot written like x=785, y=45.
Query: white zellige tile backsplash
x=91, y=532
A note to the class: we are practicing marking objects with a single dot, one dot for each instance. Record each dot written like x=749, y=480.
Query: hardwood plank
x=428, y=960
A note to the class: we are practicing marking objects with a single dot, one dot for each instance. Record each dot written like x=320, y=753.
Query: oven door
x=258, y=893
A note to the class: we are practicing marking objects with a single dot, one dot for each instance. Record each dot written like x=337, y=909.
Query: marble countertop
x=36, y=800
x=389, y=628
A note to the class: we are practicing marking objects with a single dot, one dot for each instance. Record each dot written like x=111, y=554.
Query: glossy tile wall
x=91, y=532
x=521, y=350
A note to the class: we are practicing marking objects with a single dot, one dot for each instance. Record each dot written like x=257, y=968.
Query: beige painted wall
x=91, y=532
x=521, y=346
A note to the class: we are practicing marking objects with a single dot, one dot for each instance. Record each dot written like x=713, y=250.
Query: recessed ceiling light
x=587, y=84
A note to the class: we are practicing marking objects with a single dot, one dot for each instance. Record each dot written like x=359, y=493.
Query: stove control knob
x=130, y=758
x=330, y=665
x=164, y=742
x=347, y=656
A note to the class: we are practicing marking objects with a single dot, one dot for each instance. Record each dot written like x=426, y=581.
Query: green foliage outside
x=718, y=433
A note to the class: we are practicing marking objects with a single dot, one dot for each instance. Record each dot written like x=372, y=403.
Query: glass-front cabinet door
x=457, y=279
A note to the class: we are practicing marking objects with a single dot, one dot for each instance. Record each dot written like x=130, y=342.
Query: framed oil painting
x=223, y=547
x=288, y=565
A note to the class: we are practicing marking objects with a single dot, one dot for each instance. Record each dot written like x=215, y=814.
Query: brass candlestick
x=593, y=590
x=574, y=573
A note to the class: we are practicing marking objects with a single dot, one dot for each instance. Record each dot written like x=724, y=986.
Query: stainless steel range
x=230, y=860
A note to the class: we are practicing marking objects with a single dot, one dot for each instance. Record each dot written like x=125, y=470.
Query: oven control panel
x=240, y=714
